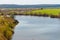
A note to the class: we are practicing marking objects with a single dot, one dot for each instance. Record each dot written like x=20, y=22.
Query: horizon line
x=29, y=4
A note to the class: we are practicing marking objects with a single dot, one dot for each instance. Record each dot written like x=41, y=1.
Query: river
x=37, y=28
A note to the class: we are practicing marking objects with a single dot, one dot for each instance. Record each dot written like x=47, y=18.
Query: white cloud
x=29, y=2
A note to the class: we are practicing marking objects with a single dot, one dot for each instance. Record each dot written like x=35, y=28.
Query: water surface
x=37, y=28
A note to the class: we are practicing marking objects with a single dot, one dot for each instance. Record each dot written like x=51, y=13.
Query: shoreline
x=7, y=25
x=44, y=15
x=45, y=12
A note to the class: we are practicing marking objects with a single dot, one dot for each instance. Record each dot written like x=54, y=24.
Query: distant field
x=47, y=11
x=32, y=11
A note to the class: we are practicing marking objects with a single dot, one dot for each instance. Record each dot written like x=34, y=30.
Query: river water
x=37, y=28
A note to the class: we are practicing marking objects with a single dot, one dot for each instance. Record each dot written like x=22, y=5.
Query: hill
x=30, y=6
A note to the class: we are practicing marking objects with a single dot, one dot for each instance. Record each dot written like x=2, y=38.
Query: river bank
x=7, y=25
x=45, y=12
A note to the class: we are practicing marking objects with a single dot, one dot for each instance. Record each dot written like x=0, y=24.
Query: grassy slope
x=6, y=27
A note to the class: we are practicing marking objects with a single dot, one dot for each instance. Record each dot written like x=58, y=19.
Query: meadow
x=51, y=12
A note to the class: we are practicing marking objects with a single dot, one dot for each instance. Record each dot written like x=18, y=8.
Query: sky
x=29, y=2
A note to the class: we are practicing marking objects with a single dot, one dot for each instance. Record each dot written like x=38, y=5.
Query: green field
x=46, y=11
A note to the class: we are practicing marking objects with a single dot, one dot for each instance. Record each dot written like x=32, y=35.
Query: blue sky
x=29, y=2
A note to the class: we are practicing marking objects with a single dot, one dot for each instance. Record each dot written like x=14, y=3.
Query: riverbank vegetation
x=7, y=25
x=50, y=12
x=46, y=12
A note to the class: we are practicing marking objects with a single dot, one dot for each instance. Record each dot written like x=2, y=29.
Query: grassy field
x=51, y=12
x=45, y=12
x=48, y=11
x=7, y=25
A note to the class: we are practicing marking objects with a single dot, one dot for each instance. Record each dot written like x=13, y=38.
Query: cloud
x=22, y=2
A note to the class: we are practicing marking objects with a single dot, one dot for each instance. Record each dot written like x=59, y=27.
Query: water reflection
x=37, y=28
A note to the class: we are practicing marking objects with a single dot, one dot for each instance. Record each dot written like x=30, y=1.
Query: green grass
x=47, y=11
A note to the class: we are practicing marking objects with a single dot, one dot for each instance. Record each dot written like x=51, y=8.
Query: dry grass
x=6, y=27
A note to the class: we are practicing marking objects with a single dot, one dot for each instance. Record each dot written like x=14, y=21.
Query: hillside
x=7, y=25
x=30, y=6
